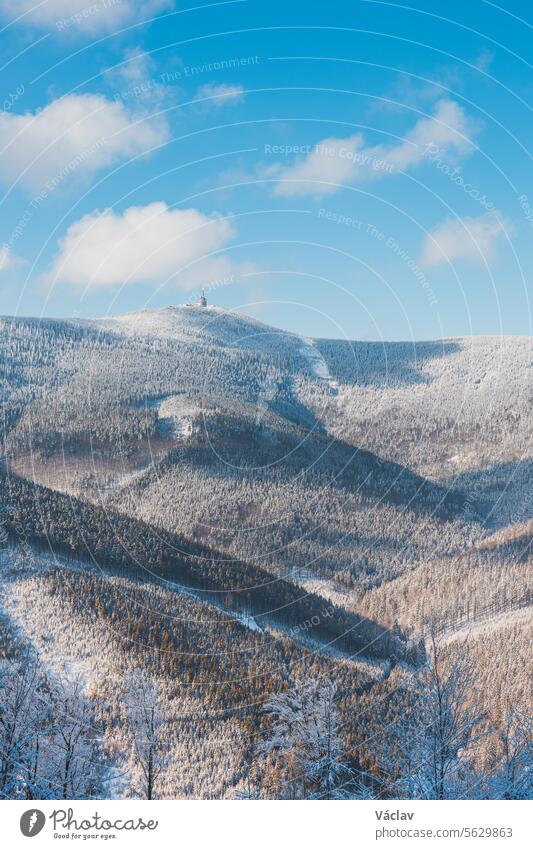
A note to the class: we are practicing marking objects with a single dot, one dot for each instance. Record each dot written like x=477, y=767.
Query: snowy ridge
x=214, y=325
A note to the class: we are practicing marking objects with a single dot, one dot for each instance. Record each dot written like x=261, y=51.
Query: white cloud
x=464, y=238
x=484, y=60
x=137, y=67
x=8, y=260
x=220, y=95
x=449, y=129
x=87, y=16
x=144, y=244
x=135, y=80
x=333, y=161
x=75, y=134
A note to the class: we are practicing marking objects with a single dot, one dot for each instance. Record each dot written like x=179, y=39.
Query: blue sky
x=353, y=169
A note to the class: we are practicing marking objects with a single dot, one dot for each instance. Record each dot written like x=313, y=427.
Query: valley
x=235, y=513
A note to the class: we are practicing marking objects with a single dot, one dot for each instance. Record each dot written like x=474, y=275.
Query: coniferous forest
x=240, y=564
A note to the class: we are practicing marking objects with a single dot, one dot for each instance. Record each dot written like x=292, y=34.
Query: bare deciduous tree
x=147, y=732
x=19, y=727
x=427, y=758
x=74, y=749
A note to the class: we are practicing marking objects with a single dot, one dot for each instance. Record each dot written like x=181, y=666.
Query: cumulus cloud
x=220, y=95
x=8, y=260
x=87, y=16
x=135, y=81
x=336, y=161
x=471, y=239
x=75, y=134
x=331, y=163
x=449, y=130
x=145, y=244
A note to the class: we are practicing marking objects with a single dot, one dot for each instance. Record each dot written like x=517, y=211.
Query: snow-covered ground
x=177, y=322
x=185, y=323
x=487, y=626
x=178, y=415
x=59, y=655
x=121, y=481
x=318, y=365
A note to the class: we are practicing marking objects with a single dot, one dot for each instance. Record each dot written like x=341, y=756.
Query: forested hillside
x=51, y=522
x=252, y=532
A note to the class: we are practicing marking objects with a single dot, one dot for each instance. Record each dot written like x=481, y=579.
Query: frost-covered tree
x=48, y=738
x=149, y=744
x=21, y=716
x=451, y=716
x=74, y=745
x=305, y=735
x=429, y=756
x=513, y=755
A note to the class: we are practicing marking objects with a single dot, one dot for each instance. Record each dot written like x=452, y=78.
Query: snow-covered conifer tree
x=305, y=734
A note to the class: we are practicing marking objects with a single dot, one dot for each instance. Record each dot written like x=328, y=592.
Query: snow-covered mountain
x=204, y=324
x=98, y=407
x=456, y=410
x=264, y=479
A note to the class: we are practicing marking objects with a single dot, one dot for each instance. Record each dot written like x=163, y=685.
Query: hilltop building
x=202, y=301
